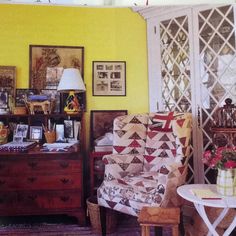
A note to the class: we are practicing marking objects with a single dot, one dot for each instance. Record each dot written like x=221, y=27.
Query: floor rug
x=127, y=226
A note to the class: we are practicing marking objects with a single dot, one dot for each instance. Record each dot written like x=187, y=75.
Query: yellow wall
x=105, y=33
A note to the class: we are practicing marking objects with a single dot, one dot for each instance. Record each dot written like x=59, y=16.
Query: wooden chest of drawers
x=36, y=183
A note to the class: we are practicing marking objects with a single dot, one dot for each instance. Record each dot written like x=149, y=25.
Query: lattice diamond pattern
x=175, y=64
x=217, y=54
x=175, y=68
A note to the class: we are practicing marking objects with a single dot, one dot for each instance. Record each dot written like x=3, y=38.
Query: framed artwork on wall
x=8, y=79
x=109, y=78
x=47, y=63
x=101, y=122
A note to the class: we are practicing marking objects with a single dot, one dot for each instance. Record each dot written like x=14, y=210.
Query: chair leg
x=103, y=219
x=158, y=230
x=181, y=224
x=145, y=230
x=175, y=230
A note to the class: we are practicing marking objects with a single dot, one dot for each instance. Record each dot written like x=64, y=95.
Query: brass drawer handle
x=64, y=164
x=64, y=198
x=2, y=182
x=32, y=164
x=32, y=197
x=32, y=179
x=65, y=181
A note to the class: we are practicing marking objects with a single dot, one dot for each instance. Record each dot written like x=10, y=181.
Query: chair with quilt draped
x=149, y=161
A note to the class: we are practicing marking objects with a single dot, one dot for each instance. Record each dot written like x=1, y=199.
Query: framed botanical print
x=8, y=79
x=109, y=78
x=47, y=64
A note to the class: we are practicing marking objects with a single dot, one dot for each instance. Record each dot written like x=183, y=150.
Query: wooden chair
x=159, y=217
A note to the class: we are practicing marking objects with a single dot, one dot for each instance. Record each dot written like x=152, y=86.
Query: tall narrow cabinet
x=191, y=63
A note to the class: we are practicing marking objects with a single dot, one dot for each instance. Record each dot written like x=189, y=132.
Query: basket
x=94, y=215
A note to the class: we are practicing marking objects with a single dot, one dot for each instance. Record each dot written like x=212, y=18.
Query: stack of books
x=103, y=148
x=104, y=143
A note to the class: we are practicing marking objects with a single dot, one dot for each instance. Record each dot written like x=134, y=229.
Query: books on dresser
x=17, y=146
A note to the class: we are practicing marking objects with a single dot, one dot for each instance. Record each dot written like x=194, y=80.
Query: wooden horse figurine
x=45, y=106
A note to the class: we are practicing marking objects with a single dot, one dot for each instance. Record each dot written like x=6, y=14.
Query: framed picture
x=101, y=122
x=60, y=135
x=54, y=95
x=36, y=132
x=8, y=79
x=69, y=128
x=47, y=63
x=17, y=139
x=22, y=94
x=109, y=78
x=3, y=100
x=21, y=130
x=80, y=96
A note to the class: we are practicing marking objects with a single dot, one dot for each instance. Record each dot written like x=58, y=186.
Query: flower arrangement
x=222, y=158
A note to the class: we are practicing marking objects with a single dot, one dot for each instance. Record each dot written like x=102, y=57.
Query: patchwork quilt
x=148, y=161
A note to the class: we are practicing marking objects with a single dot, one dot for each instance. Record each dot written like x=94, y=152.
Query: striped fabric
x=226, y=182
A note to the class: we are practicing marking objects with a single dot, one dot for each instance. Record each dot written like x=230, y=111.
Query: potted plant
x=224, y=160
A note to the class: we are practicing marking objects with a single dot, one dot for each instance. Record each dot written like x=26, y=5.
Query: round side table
x=224, y=202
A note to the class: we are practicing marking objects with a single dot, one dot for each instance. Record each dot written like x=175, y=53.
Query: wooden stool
x=158, y=216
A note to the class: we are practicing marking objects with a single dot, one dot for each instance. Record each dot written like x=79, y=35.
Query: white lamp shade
x=71, y=80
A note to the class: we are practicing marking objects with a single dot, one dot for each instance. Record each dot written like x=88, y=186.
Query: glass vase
x=226, y=182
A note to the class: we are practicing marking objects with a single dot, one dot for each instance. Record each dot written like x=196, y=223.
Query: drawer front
x=41, y=182
x=37, y=201
x=7, y=199
x=51, y=199
x=26, y=166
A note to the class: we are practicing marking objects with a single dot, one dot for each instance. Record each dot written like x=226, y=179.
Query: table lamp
x=72, y=82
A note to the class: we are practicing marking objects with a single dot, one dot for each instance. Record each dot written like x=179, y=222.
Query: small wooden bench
x=158, y=216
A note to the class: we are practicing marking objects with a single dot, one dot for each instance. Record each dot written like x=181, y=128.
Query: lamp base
x=72, y=104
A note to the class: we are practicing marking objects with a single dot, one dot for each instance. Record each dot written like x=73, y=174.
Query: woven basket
x=94, y=215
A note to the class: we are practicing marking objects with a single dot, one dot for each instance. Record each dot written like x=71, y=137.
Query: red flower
x=222, y=157
x=230, y=164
